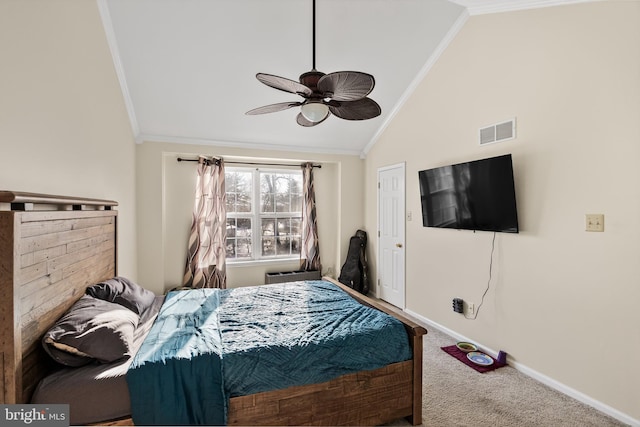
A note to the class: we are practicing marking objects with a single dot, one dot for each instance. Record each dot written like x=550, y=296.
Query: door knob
x=399, y=245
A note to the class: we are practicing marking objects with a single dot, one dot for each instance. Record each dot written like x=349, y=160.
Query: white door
x=391, y=217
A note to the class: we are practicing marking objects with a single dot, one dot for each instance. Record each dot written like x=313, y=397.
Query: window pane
x=231, y=228
x=284, y=226
x=267, y=191
x=231, y=202
x=244, y=248
x=279, y=196
x=244, y=192
x=268, y=233
x=296, y=235
x=230, y=179
x=238, y=238
x=283, y=241
x=296, y=226
x=296, y=193
x=231, y=248
x=288, y=236
x=282, y=183
x=267, y=204
x=243, y=203
x=268, y=227
x=238, y=187
x=282, y=203
x=243, y=227
x=296, y=183
x=266, y=183
x=244, y=182
x=283, y=188
x=296, y=202
x=268, y=247
x=277, y=190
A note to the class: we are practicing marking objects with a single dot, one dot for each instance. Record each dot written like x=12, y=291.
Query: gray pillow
x=92, y=329
x=123, y=291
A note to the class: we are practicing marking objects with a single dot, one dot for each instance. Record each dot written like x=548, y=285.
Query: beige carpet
x=456, y=395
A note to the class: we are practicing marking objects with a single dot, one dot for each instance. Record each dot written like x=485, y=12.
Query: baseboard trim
x=556, y=385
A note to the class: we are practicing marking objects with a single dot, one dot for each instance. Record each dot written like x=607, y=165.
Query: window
x=264, y=214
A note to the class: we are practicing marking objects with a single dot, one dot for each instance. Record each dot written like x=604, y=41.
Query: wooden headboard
x=51, y=249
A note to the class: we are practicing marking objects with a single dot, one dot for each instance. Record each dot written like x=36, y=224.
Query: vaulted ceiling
x=187, y=67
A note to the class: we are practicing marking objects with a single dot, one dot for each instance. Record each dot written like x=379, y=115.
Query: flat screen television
x=476, y=195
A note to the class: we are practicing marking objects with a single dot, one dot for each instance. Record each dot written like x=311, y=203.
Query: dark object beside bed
x=355, y=270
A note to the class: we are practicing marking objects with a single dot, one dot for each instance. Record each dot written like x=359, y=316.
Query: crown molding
x=482, y=7
x=107, y=24
x=442, y=46
x=142, y=138
x=471, y=8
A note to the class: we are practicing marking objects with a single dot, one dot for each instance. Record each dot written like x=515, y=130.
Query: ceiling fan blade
x=302, y=121
x=362, y=109
x=346, y=85
x=272, y=108
x=284, y=84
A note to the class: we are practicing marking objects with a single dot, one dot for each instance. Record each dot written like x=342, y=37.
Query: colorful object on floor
x=480, y=358
x=462, y=356
x=466, y=346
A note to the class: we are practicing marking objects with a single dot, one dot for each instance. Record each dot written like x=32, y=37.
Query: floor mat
x=462, y=356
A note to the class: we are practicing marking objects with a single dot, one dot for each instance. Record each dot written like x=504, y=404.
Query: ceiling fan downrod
x=313, y=37
x=311, y=78
x=342, y=93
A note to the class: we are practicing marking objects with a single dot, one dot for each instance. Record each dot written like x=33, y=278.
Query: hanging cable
x=493, y=245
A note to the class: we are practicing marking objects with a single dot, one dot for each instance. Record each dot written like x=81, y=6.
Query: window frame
x=256, y=216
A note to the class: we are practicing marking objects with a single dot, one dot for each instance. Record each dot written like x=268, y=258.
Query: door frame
x=403, y=167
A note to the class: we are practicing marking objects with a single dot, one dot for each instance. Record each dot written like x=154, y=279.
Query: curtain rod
x=180, y=159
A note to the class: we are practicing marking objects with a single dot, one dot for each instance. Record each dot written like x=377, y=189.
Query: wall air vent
x=498, y=132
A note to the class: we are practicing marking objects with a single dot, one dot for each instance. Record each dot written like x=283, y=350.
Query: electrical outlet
x=471, y=308
x=594, y=222
x=457, y=305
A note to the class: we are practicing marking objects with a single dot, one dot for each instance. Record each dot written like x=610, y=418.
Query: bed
x=37, y=294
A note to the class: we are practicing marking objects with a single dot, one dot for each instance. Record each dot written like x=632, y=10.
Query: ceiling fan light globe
x=314, y=111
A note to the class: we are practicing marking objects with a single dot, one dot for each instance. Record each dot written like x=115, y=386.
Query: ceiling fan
x=343, y=93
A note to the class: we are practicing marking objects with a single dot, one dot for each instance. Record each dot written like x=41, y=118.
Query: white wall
x=562, y=301
x=63, y=125
x=166, y=191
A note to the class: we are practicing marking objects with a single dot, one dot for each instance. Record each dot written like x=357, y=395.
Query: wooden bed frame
x=53, y=247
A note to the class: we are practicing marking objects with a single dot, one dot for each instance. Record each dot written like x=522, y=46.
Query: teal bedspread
x=208, y=345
